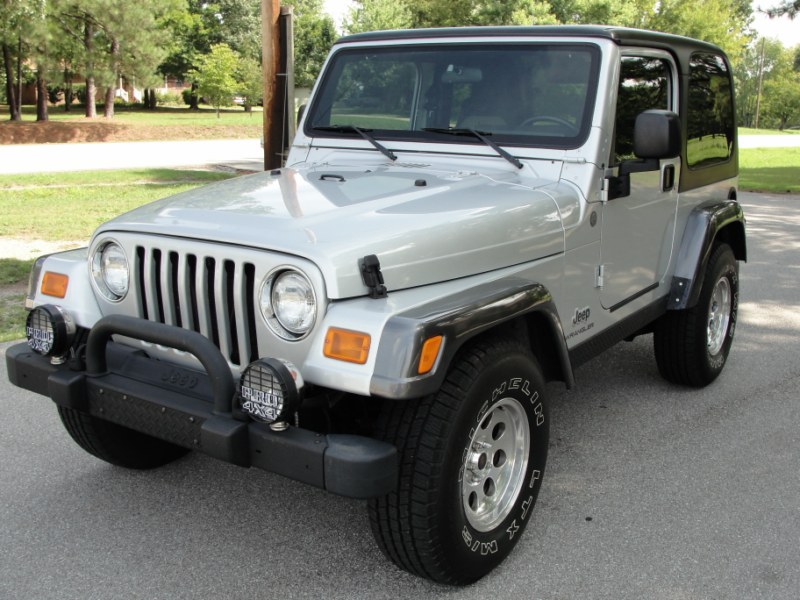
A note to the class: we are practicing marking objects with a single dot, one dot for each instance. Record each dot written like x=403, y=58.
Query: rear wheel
x=472, y=458
x=692, y=345
x=116, y=444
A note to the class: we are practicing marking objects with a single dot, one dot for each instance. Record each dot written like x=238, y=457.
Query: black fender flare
x=722, y=221
x=460, y=318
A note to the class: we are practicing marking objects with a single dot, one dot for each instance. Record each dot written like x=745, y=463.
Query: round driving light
x=288, y=304
x=49, y=330
x=110, y=271
x=269, y=390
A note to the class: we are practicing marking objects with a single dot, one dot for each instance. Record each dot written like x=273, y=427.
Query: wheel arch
x=707, y=226
x=510, y=307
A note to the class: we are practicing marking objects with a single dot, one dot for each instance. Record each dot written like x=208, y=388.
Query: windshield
x=520, y=94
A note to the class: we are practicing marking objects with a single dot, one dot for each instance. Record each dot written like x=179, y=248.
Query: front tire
x=472, y=458
x=115, y=444
x=692, y=346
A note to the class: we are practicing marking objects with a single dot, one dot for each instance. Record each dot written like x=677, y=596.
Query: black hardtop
x=623, y=36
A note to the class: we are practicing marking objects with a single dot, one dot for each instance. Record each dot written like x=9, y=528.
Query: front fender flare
x=459, y=318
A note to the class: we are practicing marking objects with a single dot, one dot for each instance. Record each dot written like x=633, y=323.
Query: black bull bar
x=196, y=409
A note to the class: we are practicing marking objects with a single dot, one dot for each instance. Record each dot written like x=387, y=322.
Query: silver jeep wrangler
x=465, y=215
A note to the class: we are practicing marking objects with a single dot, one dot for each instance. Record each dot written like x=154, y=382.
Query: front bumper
x=195, y=409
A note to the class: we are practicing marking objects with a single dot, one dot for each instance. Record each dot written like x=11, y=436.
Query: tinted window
x=644, y=83
x=710, y=111
x=535, y=94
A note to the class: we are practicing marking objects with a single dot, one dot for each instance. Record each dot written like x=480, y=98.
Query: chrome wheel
x=495, y=464
x=719, y=315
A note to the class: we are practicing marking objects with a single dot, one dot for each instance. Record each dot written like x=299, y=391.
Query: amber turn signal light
x=346, y=345
x=429, y=354
x=54, y=284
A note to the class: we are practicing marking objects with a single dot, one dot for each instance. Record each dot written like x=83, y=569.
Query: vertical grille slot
x=250, y=310
x=214, y=297
x=140, y=283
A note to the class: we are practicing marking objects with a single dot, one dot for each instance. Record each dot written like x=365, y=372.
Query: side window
x=710, y=111
x=644, y=83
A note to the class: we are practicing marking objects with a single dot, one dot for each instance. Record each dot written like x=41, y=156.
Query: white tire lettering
x=512, y=529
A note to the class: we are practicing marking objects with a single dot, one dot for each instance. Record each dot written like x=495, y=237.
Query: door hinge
x=600, y=276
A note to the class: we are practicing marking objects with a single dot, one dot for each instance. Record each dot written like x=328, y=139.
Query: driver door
x=638, y=229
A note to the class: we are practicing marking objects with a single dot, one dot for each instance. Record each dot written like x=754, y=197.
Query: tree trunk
x=193, y=98
x=152, y=100
x=91, y=90
x=108, y=109
x=67, y=90
x=41, y=96
x=8, y=64
x=91, y=96
x=146, y=98
x=19, y=75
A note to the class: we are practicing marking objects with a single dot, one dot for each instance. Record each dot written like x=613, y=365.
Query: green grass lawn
x=751, y=131
x=775, y=170
x=12, y=311
x=69, y=206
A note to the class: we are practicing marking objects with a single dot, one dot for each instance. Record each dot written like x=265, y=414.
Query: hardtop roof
x=624, y=36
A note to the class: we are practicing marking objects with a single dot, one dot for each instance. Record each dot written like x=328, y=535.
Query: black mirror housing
x=657, y=134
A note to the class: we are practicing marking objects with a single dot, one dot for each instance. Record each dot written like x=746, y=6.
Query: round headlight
x=288, y=304
x=110, y=271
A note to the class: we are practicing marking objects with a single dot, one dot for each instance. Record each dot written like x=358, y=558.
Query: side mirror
x=657, y=134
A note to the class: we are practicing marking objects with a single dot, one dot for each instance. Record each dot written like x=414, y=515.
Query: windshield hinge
x=600, y=276
x=371, y=275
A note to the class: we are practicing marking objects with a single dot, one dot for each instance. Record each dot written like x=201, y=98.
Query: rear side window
x=710, y=111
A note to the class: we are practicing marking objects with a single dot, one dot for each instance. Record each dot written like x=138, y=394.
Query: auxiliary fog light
x=270, y=390
x=49, y=330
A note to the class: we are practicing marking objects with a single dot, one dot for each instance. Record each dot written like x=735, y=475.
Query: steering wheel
x=550, y=119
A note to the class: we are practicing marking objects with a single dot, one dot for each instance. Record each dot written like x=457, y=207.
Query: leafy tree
x=215, y=76
x=118, y=39
x=789, y=7
x=758, y=62
x=691, y=18
x=18, y=20
x=782, y=101
x=236, y=23
x=314, y=34
x=372, y=15
x=250, y=78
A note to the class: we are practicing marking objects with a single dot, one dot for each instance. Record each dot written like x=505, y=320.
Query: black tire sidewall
x=471, y=552
x=721, y=265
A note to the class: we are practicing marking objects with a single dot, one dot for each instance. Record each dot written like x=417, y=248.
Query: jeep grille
x=205, y=294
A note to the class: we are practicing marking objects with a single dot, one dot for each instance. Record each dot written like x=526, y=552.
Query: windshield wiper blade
x=363, y=133
x=481, y=135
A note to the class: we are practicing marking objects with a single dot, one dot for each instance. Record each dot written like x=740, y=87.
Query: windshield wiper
x=481, y=135
x=363, y=133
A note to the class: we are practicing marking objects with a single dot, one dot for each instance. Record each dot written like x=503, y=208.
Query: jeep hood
x=425, y=225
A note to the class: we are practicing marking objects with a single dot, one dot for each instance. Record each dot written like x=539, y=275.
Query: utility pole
x=270, y=63
x=760, y=81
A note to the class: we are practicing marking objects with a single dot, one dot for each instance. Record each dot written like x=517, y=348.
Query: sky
x=784, y=29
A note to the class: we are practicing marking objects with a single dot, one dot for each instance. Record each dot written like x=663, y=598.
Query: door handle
x=668, y=178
